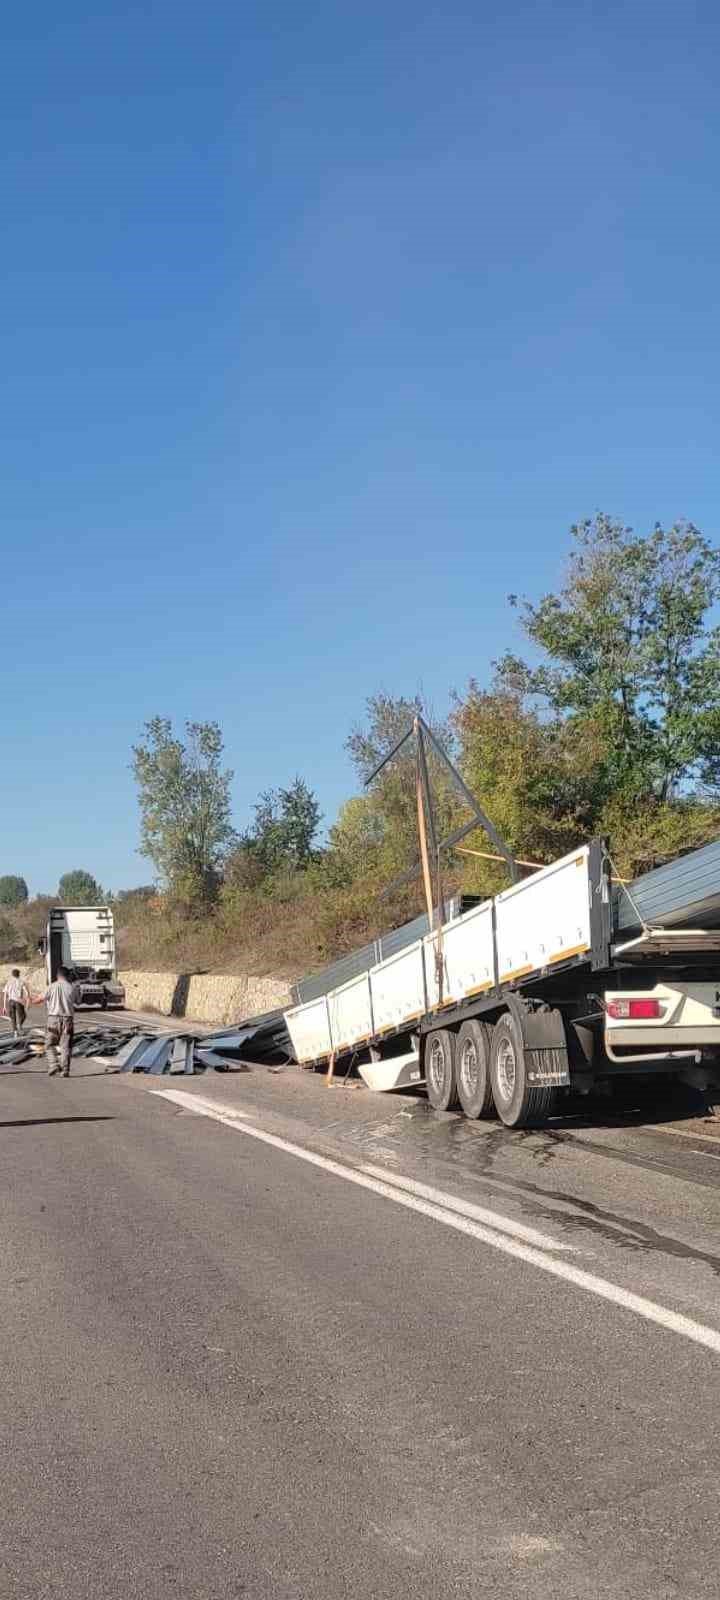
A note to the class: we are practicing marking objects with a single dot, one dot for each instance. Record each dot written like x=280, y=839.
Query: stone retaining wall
x=210, y=997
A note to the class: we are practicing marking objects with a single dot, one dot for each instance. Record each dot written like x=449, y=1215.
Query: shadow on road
x=42, y=1072
x=43, y=1122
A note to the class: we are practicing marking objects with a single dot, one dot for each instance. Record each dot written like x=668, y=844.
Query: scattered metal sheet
x=157, y=1055
x=172, y=1052
x=14, y=1058
x=132, y=1062
x=210, y=1058
x=178, y=1054
x=139, y=1050
x=15, y=1051
x=118, y=1057
x=262, y=1039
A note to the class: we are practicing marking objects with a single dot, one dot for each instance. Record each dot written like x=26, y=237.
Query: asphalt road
x=252, y=1357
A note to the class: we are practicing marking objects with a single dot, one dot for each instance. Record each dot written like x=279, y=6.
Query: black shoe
x=52, y=1071
x=66, y=1073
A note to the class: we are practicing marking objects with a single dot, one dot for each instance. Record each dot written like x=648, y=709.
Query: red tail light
x=639, y=1010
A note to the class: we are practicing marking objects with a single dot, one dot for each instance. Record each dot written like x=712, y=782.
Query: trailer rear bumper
x=662, y=1038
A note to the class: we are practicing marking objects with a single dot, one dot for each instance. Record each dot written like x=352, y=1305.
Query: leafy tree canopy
x=630, y=656
x=184, y=797
x=13, y=890
x=79, y=888
x=285, y=827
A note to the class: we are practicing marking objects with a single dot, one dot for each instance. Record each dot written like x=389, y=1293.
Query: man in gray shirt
x=59, y=999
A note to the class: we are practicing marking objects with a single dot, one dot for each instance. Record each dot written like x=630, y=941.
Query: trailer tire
x=518, y=1104
x=472, y=1069
x=440, y=1079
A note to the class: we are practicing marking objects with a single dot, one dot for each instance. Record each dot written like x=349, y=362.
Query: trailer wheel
x=440, y=1077
x=472, y=1066
x=518, y=1105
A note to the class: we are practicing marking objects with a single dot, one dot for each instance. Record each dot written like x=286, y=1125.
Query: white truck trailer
x=82, y=940
x=535, y=991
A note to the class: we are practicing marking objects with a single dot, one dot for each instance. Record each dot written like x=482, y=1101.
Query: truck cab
x=82, y=940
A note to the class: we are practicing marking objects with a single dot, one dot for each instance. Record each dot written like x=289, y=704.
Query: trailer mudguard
x=542, y=1030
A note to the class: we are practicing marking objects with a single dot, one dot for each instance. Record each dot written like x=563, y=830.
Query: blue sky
x=319, y=328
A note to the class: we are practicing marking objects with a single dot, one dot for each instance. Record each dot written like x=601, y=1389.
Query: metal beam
x=389, y=756
x=474, y=805
x=445, y=844
x=480, y=820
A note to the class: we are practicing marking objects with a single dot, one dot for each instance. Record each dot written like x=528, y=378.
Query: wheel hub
x=436, y=1063
x=506, y=1069
x=469, y=1067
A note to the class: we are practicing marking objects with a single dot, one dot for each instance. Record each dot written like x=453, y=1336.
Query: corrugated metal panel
x=398, y=938
x=359, y=961
x=334, y=976
x=683, y=893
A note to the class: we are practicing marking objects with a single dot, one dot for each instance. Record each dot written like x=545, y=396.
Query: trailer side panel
x=545, y=919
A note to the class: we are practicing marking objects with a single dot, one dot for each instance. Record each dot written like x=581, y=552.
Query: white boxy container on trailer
x=527, y=994
x=82, y=940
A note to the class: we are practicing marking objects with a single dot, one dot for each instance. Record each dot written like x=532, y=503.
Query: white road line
x=464, y=1208
x=649, y=1310
x=467, y=1208
x=205, y=1108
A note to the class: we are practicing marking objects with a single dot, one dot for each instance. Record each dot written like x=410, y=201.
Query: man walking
x=17, y=1000
x=59, y=999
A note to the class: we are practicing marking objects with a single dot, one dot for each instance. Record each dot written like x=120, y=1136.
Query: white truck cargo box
x=87, y=937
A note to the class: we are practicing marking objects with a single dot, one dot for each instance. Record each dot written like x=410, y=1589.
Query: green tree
x=630, y=658
x=79, y=888
x=285, y=827
x=13, y=890
x=534, y=781
x=355, y=842
x=184, y=798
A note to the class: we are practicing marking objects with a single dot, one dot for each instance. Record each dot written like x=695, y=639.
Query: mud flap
x=543, y=1035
